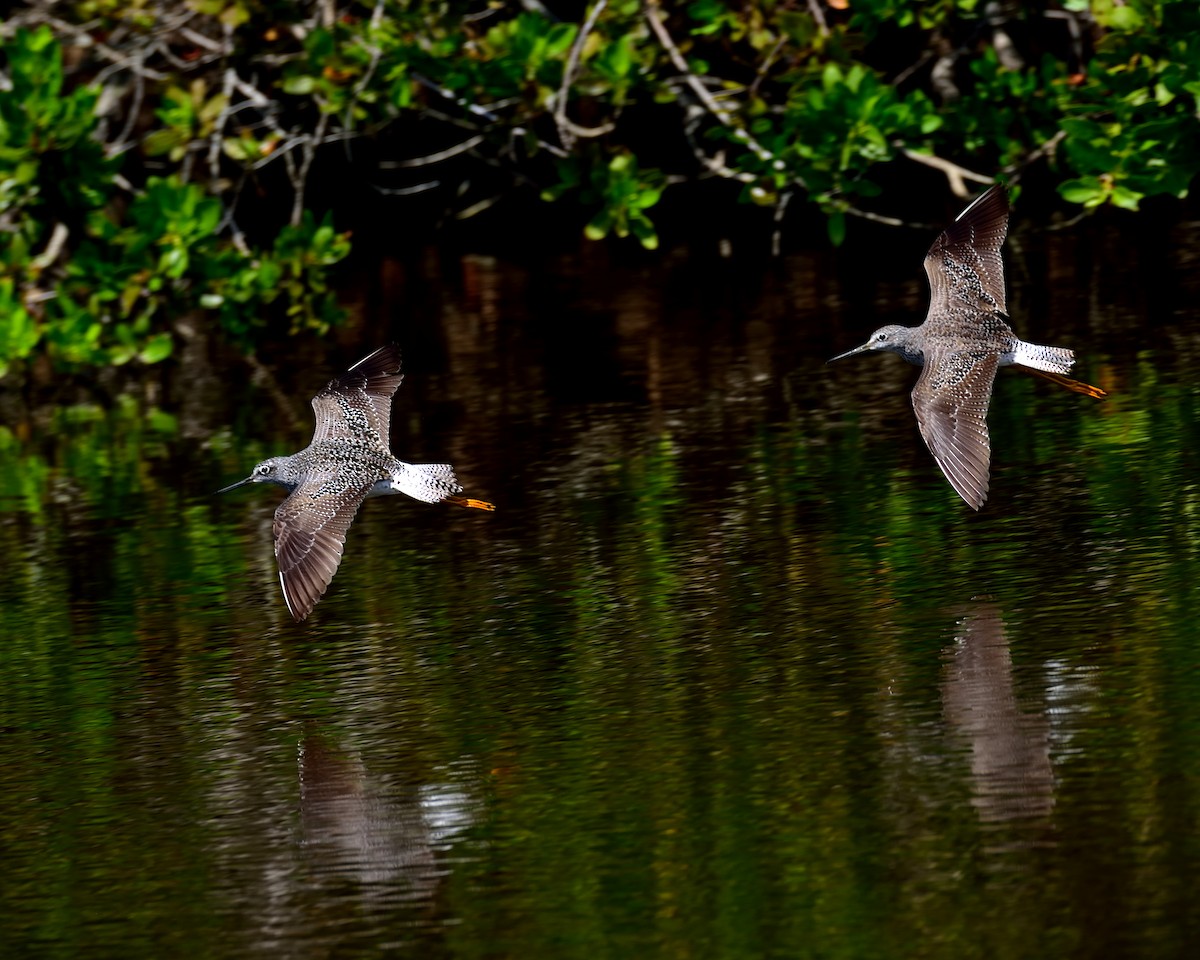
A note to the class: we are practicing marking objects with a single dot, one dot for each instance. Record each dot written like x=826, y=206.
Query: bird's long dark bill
x=850, y=353
x=234, y=486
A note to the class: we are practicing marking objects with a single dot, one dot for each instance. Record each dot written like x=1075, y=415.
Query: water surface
x=731, y=672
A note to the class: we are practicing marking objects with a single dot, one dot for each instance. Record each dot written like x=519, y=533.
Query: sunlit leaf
x=156, y=349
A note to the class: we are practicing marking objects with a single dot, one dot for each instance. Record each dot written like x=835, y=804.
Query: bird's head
x=893, y=337
x=273, y=470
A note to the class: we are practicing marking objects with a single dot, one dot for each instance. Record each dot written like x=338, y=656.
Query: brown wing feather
x=964, y=264
x=951, y=403
x=310, y=532
x=359, y=402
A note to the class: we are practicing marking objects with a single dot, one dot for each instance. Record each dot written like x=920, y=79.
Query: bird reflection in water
x=386, y=841
x=1011, y=774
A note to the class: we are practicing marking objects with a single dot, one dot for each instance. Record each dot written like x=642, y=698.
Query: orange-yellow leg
x=1078, y=386
x=469, y=502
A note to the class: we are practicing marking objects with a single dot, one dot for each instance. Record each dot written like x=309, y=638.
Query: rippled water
x=731, y=672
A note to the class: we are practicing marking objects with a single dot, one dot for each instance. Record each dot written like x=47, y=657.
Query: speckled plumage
x=348, y=460
x=965, y=338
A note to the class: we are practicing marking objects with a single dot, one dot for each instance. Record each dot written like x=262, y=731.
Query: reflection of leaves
x=97, y=449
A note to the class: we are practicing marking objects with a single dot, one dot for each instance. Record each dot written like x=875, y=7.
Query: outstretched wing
x=951, y=403
x=358, y=404
x=964, y=264
x=310, y=532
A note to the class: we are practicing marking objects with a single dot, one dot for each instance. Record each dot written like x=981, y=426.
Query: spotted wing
x=310, y=532
x=964, y=264
x=358, y=404
x=951, y=402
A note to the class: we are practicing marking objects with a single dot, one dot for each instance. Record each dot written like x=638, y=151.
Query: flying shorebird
x=347, y=461
x=963, y=340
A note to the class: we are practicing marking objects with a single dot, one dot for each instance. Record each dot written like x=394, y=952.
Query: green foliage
x=127, y=267
x=1009, y=110
x=624, y=193
x=46, y=133
x=834, y=131
x=186, y=115
x=19, y=333
x=294, y=269
x=1131, y=128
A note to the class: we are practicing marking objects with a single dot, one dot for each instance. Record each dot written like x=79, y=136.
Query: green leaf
x=1125, y=198
x=237, y=149
x=156, y=349
x=643, y=229
x=1082, y=190
x=162, y=422
x=162, y=141
x=300, y=84
x=598, y=226
x=1081, y=129
x=836, y=225
x=831, y=76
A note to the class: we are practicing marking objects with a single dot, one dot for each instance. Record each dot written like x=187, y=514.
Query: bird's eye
x=264, y=468
x=882, y=337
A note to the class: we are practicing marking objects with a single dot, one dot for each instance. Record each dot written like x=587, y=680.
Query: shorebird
x=347, y=461
x=964, y=339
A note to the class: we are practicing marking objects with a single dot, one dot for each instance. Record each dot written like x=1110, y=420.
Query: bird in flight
x=965, y=337
x=348, y=461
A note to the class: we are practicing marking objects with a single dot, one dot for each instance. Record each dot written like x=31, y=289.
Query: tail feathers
x=435, y=483
x=1044, y=359
x=1078, y=386
x=429, y=482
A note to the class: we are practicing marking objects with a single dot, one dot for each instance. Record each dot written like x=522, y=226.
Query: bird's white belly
x=389, y=486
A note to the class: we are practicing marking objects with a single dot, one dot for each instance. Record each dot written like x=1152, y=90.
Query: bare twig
x=814, y=8
x=208, y=43
x=1046, y=149
x=365, y=79
x=229, y=217
x=765, y=67
x=723, y=116
x=405, y=191
x=777, y=232
x=58, y=237
x=515, y=132
x=1006, y=51
x=955, y=174
x=308, y=154
x=214, y=140
x=469, y=144
x=122, y=142
x=568, y=131
x=455, y=98
x=251, y=92
x=118, y=60
x=908, y=71
x=478, y=207
x=941, y=77
x=1068, y=224
x=714, y=165
x=888, y=221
